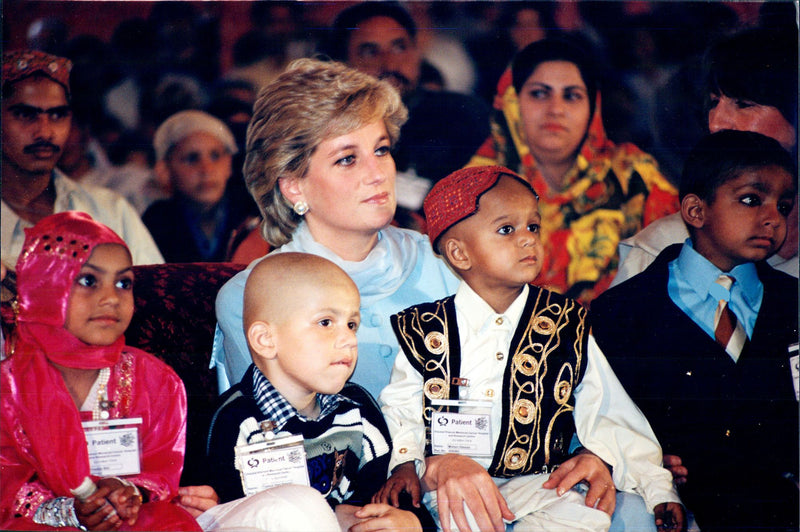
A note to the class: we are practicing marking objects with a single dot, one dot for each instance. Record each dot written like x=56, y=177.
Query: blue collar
x=701, y=276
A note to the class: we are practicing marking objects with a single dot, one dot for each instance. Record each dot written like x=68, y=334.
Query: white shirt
x=607, y=421
x=105, y=206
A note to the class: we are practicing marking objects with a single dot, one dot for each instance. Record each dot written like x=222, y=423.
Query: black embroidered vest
x=545, y=364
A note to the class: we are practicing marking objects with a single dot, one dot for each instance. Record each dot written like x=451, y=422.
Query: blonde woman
x=319, y=166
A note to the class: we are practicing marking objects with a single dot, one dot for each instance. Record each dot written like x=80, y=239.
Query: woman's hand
x=587, y=467
x=125, y=498
x=196, y=499
x=96, y=512
x=404, y=478
x=377, y=517
x=460, y=480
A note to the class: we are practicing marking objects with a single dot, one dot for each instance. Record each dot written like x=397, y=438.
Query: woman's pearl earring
x=301, y=207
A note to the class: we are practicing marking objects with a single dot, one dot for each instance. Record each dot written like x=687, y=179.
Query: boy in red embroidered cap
x=500, y=380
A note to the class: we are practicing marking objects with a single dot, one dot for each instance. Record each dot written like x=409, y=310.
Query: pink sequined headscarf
x=55, y=249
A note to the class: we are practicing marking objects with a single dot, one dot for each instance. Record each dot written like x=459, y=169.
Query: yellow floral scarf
x=610, y=193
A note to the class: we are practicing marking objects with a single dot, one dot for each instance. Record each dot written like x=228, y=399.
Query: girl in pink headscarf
x=93, y=431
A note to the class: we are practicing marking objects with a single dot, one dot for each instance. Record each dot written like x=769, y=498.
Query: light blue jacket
x=399, y=272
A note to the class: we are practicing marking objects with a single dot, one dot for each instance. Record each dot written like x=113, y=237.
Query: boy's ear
x=456, y=253
x=290, y=188
x=162, y=172
x=693, y=210
x=261, y=339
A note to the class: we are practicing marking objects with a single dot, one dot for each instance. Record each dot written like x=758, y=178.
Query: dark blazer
x=734, y=425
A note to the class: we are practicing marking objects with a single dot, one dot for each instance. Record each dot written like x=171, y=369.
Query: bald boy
x=300, y=317
x=301, y=314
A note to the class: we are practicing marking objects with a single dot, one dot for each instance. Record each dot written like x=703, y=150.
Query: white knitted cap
x=180, y=125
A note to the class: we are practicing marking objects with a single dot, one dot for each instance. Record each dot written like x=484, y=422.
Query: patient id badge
x=113, y=446
x=468, y=434
x=794, y=364
x=272, y=463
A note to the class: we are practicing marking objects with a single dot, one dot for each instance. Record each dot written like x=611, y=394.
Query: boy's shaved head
x=276, y=284
x=301, y=314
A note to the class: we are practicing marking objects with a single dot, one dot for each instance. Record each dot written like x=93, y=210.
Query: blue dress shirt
x=692, y=287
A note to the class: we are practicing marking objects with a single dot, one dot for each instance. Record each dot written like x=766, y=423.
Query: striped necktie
x=728, y=331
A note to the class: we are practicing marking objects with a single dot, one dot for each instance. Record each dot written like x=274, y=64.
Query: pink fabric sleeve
x=160, y=400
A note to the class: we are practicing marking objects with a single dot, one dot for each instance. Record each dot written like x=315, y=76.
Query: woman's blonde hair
x=311, y=101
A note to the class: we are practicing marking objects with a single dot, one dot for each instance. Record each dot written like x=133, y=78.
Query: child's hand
x=404, y=478
x=670, y=516
x=587, y=467
x=196, y=499
x=124, y=498
x=674, y=465
x=96, y=513
x=458, y=481
x=385, y=517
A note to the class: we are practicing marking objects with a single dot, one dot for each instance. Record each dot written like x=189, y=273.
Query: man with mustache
x=444, y=128
x=36, y=119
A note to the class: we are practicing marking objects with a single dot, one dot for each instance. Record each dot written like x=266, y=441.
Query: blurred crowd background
x=137, y=63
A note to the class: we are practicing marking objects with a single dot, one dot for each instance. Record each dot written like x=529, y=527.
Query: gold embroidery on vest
x=524, y=411
x=436, y=343
x=413, y=323
x=435, y=389
x=515, y=458
x=525, y=395
x=543, y=325
x=538, y=396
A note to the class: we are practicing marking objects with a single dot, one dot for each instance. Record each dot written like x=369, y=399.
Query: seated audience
x=301, y=314
x=751, y=86
x=705, y=339
x=82, y=158
x=593, y=193
x=519, y=24
x=468, y=405
x=36, y=120
x=69, y=378
x=443, y=129
x=194, y=151
x=132, y=158
x=319, y=165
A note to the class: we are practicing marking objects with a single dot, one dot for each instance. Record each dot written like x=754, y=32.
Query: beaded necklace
x=102, y=405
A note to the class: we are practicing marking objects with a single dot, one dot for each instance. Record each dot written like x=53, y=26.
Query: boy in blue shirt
x=705, y=339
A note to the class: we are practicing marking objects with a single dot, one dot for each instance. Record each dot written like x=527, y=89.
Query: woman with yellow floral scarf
x=593, y=193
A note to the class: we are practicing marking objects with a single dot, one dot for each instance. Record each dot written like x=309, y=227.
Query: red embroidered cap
x=456, y=197
x=20, y=64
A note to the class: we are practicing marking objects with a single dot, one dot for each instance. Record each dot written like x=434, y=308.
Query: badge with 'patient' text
x=113, y=446
x=466, y=433
x=272, y=463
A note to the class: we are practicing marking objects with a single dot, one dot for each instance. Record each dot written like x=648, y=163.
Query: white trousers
x=536, y=508
x=287, y=508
